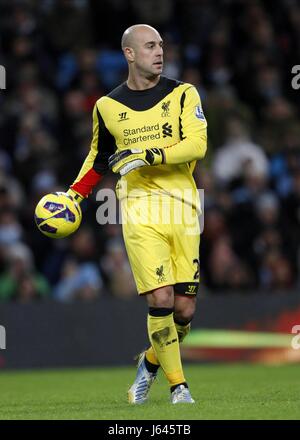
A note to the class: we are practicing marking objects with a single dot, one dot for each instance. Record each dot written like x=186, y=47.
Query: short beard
x=150, y=76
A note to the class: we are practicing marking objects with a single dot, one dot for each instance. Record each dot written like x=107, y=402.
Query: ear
x=129, y=54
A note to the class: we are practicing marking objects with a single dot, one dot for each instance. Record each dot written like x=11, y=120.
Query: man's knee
x=162, y=297
x=184, y=309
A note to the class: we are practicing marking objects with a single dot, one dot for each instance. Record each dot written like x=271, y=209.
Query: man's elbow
x=200, y=148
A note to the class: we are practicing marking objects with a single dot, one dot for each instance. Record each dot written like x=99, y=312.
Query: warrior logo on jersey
x=166, y=109
x=123, y=116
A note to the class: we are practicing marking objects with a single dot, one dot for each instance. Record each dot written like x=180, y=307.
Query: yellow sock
x=164, y=340
x=151, y=356
x=182, y=331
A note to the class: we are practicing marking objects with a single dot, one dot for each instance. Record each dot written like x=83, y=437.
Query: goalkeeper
x=151, y=130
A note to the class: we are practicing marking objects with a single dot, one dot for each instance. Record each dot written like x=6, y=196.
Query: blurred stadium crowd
x=61, y=56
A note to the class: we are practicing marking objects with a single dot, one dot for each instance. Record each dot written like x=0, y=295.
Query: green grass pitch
x=251, y=392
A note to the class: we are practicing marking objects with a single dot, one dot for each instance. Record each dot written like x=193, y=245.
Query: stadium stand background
x=61, y=56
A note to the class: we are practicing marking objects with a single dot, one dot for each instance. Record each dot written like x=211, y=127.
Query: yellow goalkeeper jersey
x=169, y=116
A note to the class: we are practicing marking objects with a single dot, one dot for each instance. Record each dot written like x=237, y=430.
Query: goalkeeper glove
x=75, y=196
x=127, y=160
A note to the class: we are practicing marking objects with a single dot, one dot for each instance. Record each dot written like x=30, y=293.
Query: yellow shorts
x=162, y=241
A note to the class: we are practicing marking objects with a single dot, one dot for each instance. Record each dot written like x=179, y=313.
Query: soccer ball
x=57, y=215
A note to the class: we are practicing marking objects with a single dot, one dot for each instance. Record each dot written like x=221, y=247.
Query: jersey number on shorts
x=197, y=273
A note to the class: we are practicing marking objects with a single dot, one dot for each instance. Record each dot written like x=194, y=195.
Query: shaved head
x=134, y=33
x=143, y=49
